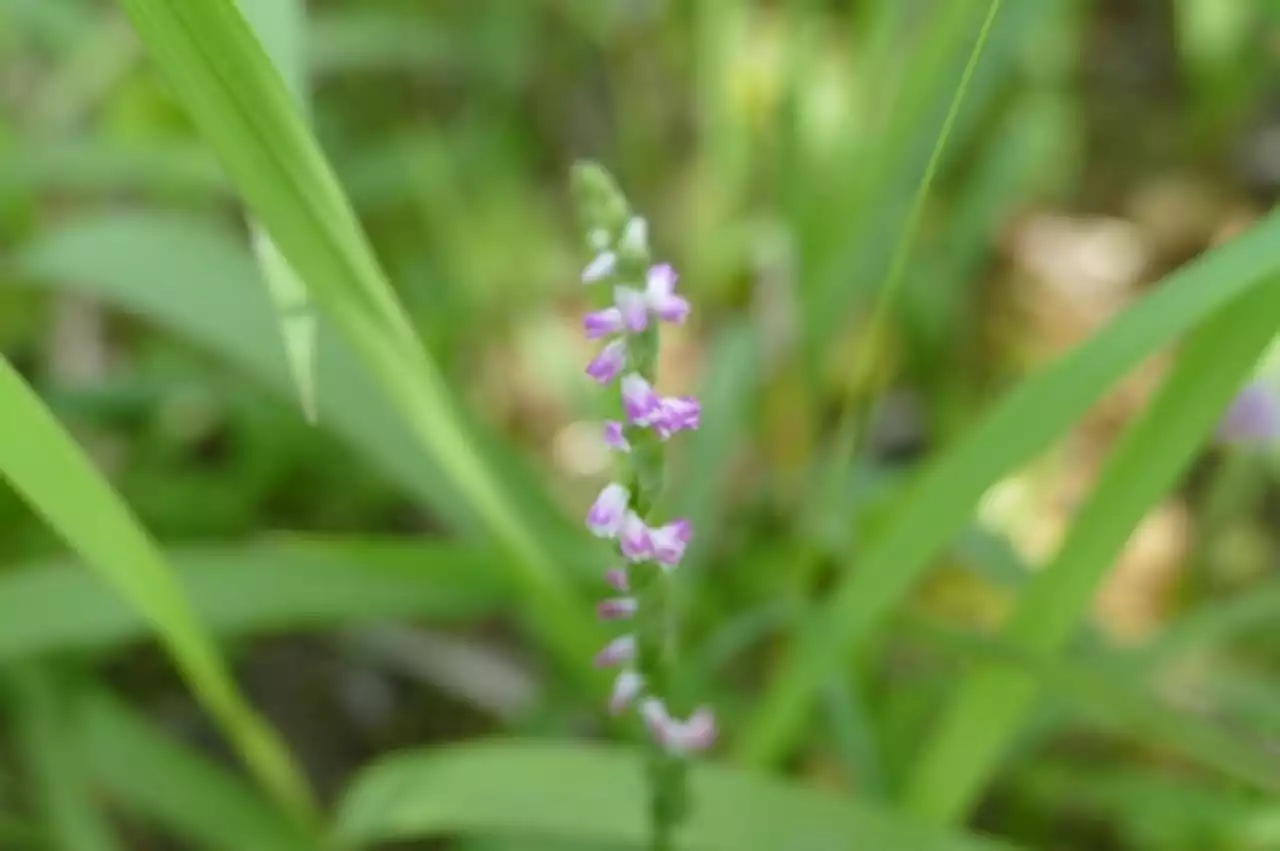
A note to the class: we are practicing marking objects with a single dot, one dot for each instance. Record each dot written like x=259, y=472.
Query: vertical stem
x=657, y=625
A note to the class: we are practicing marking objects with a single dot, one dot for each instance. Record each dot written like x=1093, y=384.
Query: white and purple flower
x=607, y=365
x=621, y=649
x=608, y=512
x=696, y=733
x=639, y=402
x=617, y=256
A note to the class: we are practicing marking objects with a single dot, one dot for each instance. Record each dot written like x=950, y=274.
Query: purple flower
x=697, y=733
x=1253, y=417
x=615, y=437
x=668, y=542
x=608, y=512
x=609, y=363
x=600, y=267
x=621, y=649
x=639, y=401
x=626, y=688
x=677, y=413
x=617, y=608
x=602, y=323
x=633, y=307
x=617, y=579
x=633, y=538
x=660, y=292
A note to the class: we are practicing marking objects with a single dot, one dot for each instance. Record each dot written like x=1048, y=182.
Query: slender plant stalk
x=628, y=510
x=854, y=422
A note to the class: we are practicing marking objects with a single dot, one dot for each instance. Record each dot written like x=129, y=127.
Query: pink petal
x=626, y=688
x=621, y=649
x=617, y=608
x=661, y=280
x=668, y=543
x=607, y=513
x=615, y=436
x=633, y=307
x=617, y=579
x=633, y=538
x=638, y=400
x=602, y=323
x=609, y=363
x=601, y=266
x=674, y=309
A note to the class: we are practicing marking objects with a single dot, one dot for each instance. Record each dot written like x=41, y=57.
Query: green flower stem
x=604, y=208
x=656, y=620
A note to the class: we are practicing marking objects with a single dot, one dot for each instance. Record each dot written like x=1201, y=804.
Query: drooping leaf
x=50, y=471
x=252, y=590
x=596, y=795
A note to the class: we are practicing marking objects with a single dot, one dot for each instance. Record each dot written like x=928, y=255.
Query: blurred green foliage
x=409, y=573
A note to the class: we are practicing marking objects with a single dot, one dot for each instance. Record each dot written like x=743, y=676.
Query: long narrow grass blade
x=227, y=84
x=44, y=464
x=279, y=26
x=1155, y=452
x=1025, y=422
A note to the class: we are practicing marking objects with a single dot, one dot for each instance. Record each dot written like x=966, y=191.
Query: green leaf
x=195, y=280
x=153, y=776
x=597, y=795
x=46, y=467
x=250, y=590
x=56, y=774
x=1026, y=421
x=244, y=111
x=1155, y=451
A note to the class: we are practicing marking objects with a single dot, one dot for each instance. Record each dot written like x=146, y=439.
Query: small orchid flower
x=660, y=293
x=603, y=323
x=609, y=363
x=633, y=538
x=621, y=649
x=617, y=579
x=677, y=413
x=626, y=688
x=615, y=437
x=697, y=733
x=633, y=307
x=601, y=267
x=668, y=542
x=617, y=608
x=639, y=401
x=605, y=519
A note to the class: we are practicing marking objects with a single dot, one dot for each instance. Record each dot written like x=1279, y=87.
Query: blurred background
x=775, y=148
